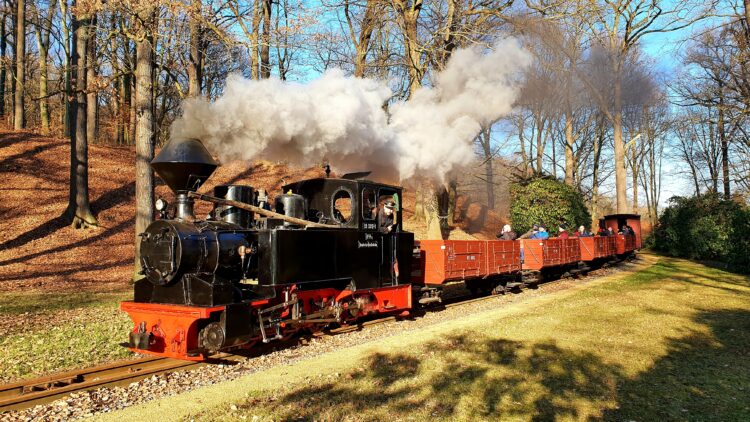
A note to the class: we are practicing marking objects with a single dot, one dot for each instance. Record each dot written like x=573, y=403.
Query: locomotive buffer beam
x=261, y=211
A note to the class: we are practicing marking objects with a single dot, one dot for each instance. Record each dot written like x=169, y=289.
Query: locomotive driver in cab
x=387, y=217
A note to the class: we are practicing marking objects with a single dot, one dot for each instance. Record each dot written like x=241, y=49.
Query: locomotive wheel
x=212, y=337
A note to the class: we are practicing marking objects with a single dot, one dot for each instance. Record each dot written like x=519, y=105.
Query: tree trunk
x=452, y=196
x=489, y=171
x=194, y=64
x=724, y=148
x=634, y=170
x=43, y=28
x=554, y=154
x=265, y=46
x=67, y=120
x=43, y=100
x=144, y=145
x=18, y=112
x=257, y=12
x=539, y=147
x=132, y=95
x=79, y=209
x=621, y=174
x=91, y=95
x=408, y=15
x=12, y=69
x=419, y=211
x=527, y=171
x=570, y=165
x=117, y=92
x=3, y=42
x=654, y=187
x=432, y=212
x=598, y=141
x=365, y=36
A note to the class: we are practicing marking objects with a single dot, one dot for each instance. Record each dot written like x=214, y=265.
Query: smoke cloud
x=341, y=119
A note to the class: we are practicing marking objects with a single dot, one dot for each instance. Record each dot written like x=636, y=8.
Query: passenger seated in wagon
x=562, y=232
x=528, y=235
x=541, y=234
x=582, y=232
x=507, y=233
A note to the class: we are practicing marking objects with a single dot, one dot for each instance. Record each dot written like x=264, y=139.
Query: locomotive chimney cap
x=184, y=164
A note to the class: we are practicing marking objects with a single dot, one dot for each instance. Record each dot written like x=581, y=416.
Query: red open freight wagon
x=538, y=253
x=597, y=247
x=454, y=260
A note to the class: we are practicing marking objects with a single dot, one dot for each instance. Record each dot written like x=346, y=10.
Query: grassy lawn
x=51, y=332
x=670, y=342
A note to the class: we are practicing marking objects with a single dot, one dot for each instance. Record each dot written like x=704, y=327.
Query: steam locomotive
x=252, y=272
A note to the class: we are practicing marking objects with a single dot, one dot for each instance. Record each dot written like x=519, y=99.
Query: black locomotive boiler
x=247, y=273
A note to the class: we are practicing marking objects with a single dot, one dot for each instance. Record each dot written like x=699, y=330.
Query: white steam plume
x=342, y=119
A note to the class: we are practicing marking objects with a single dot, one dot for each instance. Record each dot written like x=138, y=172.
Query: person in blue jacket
x=541, y=234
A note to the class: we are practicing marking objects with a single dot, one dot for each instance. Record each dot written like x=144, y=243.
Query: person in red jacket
x=563, y=232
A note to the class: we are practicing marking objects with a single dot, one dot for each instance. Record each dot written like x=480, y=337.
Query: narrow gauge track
x=29, y=393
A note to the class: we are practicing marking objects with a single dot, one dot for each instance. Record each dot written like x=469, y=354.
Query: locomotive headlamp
x=161, y=205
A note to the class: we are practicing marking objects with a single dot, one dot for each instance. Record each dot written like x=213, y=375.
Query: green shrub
x=705, y=227
x=547, y=201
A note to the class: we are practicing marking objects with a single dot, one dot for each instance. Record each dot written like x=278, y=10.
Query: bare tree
x=79, y=208
x=196, y=52
x=20, y=74
x=43, y=27
x=618, y=27
x=66, y=45
x=92, y=98
x=145, y=16
x=3, y=57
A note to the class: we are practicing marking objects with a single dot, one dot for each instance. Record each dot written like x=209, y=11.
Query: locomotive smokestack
x=184, y=165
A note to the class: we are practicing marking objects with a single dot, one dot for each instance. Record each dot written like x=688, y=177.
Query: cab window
x=369, y=205
x=342, y=206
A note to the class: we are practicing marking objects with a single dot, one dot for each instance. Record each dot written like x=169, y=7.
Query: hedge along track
x=29, y=393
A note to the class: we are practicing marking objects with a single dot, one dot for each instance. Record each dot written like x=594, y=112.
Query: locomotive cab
x=345, y=202
x=351, y=252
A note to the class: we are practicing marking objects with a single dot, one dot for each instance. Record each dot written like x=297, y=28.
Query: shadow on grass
x=704, y=376
x=499, y=378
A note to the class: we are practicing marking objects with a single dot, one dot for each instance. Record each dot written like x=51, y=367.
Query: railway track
x=29, y=393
